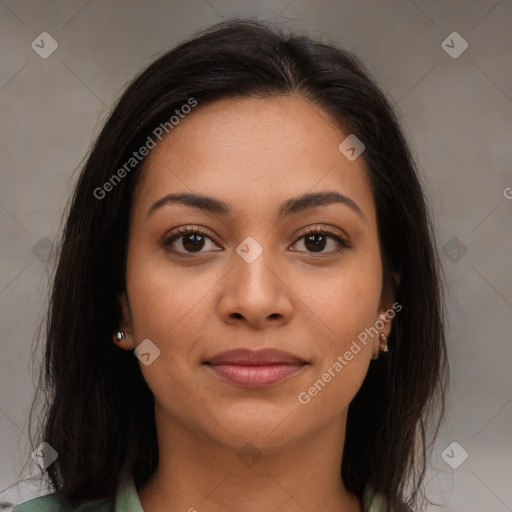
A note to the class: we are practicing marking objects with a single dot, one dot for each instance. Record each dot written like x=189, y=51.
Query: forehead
x=253, y=151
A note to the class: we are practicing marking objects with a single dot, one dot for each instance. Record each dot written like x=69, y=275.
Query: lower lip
x=255, y=376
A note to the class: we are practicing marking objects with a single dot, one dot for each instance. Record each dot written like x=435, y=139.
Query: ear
x=125, y=322
x=386, y=312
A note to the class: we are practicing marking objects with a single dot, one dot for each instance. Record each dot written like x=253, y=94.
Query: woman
x=250, y=225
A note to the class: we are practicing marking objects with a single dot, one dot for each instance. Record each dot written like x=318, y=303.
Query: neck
x=196, y=473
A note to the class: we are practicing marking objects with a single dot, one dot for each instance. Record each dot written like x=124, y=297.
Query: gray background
x=457, y=115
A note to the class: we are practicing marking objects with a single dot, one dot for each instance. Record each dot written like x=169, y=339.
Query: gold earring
x=383, y=343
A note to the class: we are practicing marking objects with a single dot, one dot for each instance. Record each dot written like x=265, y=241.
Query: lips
x=248, y=357
x=254, y=369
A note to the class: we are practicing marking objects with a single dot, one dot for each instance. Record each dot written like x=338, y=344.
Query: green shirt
x=127, y=500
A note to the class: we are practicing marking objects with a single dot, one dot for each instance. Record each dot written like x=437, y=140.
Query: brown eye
x=193, y=242
x=187, y=241
x=316, y=240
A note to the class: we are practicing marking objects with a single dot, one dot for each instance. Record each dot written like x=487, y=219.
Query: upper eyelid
x=329, y=230
x=191, y=229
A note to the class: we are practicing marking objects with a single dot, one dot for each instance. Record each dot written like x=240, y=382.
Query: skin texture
x=253, y=154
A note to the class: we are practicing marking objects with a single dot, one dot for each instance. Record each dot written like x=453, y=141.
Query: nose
x=256, y=293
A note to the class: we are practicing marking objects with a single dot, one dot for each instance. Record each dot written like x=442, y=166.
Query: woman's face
x=253, y=278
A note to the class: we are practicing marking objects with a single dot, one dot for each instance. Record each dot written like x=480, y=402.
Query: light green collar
x=372, y=502
x=127, y=499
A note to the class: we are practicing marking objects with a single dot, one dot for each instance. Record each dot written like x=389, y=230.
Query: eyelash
x=316, y=230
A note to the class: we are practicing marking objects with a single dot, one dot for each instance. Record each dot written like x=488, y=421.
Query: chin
x=263, y=425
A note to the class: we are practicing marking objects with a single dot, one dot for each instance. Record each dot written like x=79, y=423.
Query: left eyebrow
x=291, y=206
x=313, y=200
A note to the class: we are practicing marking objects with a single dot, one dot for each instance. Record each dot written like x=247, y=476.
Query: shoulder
x=42, y=504
x=51, y=503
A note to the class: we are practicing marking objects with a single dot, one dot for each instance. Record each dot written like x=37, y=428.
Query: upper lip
x=247, y=357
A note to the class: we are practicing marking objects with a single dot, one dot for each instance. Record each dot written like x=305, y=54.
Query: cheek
x=344, y=301
x=330, y=393
x=165, y=300
x=169, y=306
x=344, y=317
x=343, y=307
